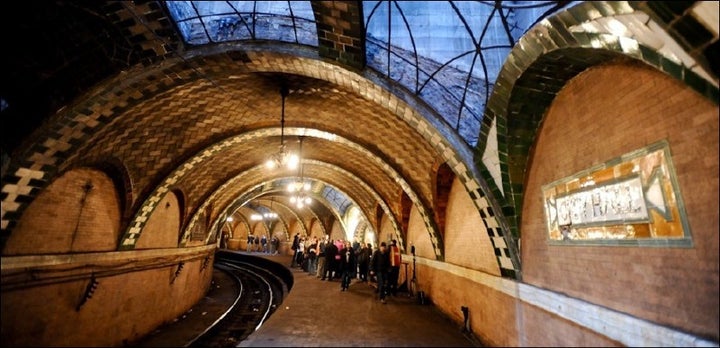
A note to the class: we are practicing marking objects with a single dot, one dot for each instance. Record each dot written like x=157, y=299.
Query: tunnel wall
x=136, y=292
x=603, y=113
x=600, y=295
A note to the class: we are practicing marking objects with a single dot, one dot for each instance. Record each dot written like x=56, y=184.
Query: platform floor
x=317, y=314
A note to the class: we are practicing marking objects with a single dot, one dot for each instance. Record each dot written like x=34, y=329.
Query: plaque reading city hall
x=633, y=200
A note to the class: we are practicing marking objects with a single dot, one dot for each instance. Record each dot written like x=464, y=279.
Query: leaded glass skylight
x=204, y=22
x=337, y=198
x=449, y=53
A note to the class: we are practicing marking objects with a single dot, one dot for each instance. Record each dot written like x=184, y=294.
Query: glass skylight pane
x=452, y=39
x=222, y=21
x=303, y=9
x=209, y=8
x=243, y=6
x=193, y=31
x=181, y=10
x=221, y=28
x=279, y=8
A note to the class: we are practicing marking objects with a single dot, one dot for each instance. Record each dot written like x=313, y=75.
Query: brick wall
x=65, y=218
x=116, y=313
x=466, y=239
x=604, y=113
x=601, y=114
x=163, y=227
x=340, y=30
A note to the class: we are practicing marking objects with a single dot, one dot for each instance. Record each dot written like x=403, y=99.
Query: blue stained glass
x=204, y=22
x=449, y=53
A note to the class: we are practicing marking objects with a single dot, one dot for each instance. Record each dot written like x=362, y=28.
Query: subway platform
x=317, y=313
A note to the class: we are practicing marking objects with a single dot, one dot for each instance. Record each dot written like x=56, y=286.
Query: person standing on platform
x=321, y=257
x=273, y=247
x=295, y=245
x=276, y=244
x=264, y=244
x=224, y=240
x=250, y=241
x=339, y=244
x=300, y=262
x=312, y=256
x=363, y=259
x=330, y=251
x=347, y=265
x=394, y=273
x=379, y=266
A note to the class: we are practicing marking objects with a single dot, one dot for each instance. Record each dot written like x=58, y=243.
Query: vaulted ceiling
x=113, y=85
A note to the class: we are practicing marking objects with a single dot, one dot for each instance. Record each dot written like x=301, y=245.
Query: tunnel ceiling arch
x=136, y=92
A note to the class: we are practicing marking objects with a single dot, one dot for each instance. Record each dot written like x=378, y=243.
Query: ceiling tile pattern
x=158, y=119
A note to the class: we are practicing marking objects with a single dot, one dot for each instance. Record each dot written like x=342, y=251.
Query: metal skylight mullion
x=239, y=14
x=557, y=6
x=200, y=18
x=369, y=18
x=412, y=41
x=254, y=17
x=389, y=26
x=467, y=28
x=464, y=94
x=504, y=21
x=479, y=48
x=478, y=52
x=292, y=17
x=431, y=76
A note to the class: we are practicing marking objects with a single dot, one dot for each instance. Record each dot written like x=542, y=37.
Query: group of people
x=261, y=244
x=338, y=259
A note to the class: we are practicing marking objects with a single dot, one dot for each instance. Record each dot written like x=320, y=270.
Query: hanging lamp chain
x=283, y=93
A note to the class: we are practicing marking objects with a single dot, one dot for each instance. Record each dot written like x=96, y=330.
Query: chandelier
x=300, y=190
x=266, y=213
x=283, y=158
x=270, y=214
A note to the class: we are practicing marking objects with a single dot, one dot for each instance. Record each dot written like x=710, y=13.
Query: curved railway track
x=261, y=293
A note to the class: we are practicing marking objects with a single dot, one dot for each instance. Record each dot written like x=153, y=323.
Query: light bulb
x=270, y=164
x=292, y=161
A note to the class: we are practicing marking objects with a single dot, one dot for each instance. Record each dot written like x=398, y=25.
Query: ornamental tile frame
x=631, y=200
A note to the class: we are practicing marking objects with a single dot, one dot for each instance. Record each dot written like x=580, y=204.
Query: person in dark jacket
x=363, y=258
x=347, y=265
x=295, y=246
x=394, y=273
x=330, y=264
x=379, y=266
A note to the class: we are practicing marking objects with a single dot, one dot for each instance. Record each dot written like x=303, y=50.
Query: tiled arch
x=538, y=67
x=257, y=190
x=243, y=221
x=56, y=146
x=119, y=174
x=281, y=219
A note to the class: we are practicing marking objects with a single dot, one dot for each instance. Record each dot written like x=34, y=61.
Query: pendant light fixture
x=283, y=158
x=300, y=190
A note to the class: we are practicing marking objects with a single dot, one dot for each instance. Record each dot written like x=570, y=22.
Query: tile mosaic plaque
x=630, y=200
